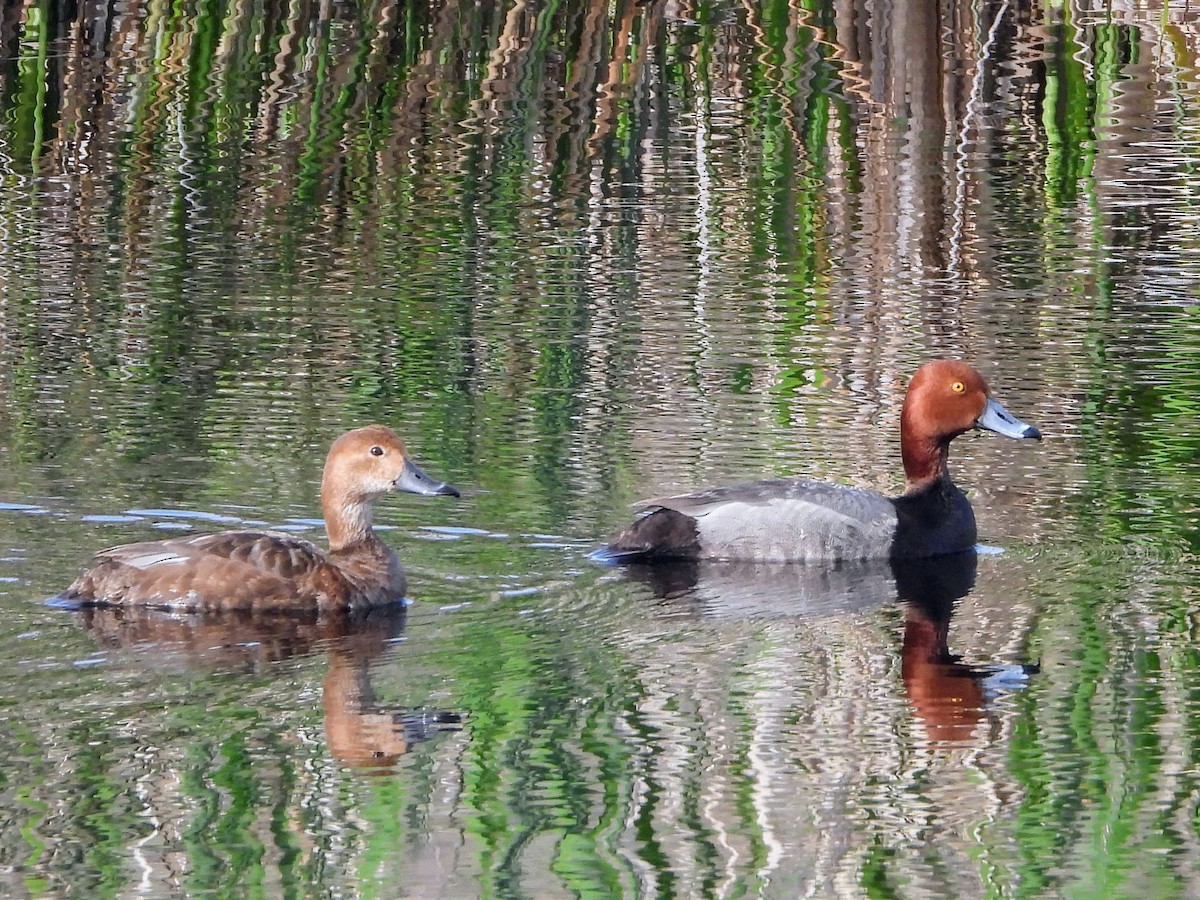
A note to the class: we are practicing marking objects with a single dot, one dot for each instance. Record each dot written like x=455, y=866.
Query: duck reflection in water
x=949, y=696
x=360, y=733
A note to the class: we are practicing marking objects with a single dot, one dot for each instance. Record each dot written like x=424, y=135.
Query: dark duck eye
x=377, y=451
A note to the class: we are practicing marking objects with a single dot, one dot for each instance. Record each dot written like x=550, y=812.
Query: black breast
x=932, y=521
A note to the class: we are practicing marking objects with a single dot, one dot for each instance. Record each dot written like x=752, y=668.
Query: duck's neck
x=348, y=521
x=926, y=460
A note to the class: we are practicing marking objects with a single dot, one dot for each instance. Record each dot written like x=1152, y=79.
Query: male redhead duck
x=265, y=570
x=804, y=520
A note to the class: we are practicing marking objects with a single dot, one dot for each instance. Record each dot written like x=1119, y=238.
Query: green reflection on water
x=1067, y=118
x=1092, y=754
x=525, y=777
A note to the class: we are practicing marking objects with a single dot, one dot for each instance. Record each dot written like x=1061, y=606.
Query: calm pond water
x=582, y=254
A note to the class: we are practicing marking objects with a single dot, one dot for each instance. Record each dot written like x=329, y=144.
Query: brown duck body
x=271, y=570
x=241, y=570
x=806, y=520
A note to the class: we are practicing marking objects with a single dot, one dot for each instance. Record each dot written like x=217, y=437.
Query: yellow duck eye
x=958, y=387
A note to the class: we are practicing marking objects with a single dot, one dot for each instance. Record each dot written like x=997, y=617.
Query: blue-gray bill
x=414, y=480
x=998, y=419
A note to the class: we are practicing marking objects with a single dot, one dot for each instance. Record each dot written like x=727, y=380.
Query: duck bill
x=998, y=419
x=414, y=480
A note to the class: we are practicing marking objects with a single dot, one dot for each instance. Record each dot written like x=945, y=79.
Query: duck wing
x=839, y=499
x=785, y=520
x=269, y=552
x=227, y=570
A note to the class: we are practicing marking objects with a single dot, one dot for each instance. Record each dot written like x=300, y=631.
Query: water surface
x=581, y=255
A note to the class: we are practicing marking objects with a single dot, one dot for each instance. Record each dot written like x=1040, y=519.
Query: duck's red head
x=946, y=398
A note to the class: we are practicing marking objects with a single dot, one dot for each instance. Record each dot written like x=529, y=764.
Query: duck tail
x=660, y=534
x=615, y=554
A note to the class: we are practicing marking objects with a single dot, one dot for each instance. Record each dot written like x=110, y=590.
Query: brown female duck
x=273, y=571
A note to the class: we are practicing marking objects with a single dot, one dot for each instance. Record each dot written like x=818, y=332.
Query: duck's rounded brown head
x=946, y=398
